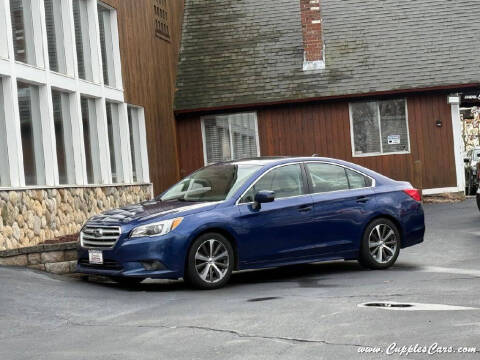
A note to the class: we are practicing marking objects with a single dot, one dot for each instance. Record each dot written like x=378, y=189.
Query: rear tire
x=380, y=244
x=210, y=262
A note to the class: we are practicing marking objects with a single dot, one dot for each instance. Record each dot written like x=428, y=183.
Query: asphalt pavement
x=299, y=312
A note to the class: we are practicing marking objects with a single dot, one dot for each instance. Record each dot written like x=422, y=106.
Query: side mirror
x=466, y=160
x=263, y=196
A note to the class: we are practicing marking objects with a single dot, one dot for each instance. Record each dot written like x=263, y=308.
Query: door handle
x=305, y=208
x=362, y=199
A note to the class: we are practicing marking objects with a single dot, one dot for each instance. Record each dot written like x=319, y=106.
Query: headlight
x=156, y=229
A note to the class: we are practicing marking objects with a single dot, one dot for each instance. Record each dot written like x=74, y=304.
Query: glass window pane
x=327, y=177
x=31, y=132
x=133, y=124
x=63, y=132
x=244, y=133
x=394, y=125
x=22, y=27
x=90, y=139
x=54, y=24
x=4, y=177
x=114, y=143
x=82, y=43
x=366, y=136
x=356, y=180
x=230, y=137
x=285, y=181
x=3, y=34
x=106, y=44
x=217, y=139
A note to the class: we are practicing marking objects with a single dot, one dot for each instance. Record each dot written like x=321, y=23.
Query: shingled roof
x=237, y=52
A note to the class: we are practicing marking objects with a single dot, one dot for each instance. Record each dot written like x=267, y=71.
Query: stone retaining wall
x=29, y=217
x=54, y=258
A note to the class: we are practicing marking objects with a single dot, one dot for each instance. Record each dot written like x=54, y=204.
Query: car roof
x=277, y=160
x=271, y=161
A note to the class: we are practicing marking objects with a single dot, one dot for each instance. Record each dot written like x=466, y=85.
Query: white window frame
x=65, y=39
x=67, y=100
x=36, y=49
x=381, y=153
x=3, y=34
x=113, y=50
x=4, y=162
x=204, y=142
x=12, y=71
x=140, y=138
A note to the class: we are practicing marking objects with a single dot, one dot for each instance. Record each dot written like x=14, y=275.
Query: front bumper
x=129, y=256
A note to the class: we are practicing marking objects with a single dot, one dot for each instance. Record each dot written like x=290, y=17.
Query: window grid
x=47, y=108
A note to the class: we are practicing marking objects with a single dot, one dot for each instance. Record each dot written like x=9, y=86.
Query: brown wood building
x=149, y=35
x=323, y=128
x=356, y=97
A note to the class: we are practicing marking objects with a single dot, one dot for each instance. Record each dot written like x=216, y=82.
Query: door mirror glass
x=264, y=196
x=261, y=197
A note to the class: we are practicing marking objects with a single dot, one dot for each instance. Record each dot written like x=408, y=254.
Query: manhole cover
x=263, y=299
x=387, y=305
x=392, y=305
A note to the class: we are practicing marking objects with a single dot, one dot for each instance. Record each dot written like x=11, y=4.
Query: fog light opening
x=152, y=265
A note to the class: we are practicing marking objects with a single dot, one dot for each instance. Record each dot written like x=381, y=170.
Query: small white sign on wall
x=393, y=139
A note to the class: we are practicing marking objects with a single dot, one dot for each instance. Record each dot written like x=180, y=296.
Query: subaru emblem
x=98, y=233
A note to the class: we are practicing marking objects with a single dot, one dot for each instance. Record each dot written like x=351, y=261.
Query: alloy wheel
x=212, y=261
x=382, y=243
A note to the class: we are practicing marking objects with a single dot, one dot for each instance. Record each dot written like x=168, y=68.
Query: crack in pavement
x=284, y=339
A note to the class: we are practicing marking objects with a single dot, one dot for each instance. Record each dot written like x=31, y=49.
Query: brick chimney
x=312, y=34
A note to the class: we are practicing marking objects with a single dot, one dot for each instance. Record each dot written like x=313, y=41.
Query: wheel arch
x=388, y=217
x=227, y=234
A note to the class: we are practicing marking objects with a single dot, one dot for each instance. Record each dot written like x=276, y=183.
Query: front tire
x=210, y=262
x=380, y=244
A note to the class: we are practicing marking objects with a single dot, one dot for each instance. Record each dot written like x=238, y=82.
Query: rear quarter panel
x=403, y=210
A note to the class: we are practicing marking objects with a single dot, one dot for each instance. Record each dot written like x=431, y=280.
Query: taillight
x=414, y=194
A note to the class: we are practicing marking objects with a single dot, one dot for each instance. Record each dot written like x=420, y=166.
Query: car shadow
x=304, y=275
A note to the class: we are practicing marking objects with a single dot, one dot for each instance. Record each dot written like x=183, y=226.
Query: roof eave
x=324, y=98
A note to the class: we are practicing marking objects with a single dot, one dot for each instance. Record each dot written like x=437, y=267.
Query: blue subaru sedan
x=255, y=213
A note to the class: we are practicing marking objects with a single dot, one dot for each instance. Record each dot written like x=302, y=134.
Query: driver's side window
x=285, y=181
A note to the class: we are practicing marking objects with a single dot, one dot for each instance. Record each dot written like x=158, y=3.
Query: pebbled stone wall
x=29, y=217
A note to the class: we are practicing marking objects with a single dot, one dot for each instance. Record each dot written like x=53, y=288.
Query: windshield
x=212, y=183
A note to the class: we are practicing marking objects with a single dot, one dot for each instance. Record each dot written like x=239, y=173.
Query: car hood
x=149, y=210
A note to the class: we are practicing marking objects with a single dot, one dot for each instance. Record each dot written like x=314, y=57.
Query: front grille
x=99, y=237
x=107, y=264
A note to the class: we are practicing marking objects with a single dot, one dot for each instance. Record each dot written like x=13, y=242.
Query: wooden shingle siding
x=149, y=71
x=324, y=129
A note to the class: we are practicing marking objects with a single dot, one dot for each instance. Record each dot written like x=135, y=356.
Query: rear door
x=278, y=230
x=342, y=199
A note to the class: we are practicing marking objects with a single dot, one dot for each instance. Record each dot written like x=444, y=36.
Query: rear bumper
x=413, y=239
x=131, y=257
x=413, y=227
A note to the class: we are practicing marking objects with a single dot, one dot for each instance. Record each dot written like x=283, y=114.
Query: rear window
x=330, y=177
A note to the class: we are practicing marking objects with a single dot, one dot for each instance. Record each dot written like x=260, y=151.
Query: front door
x=277, y=231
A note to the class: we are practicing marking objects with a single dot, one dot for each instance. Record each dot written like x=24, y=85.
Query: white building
x=63, y=120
